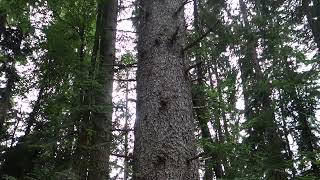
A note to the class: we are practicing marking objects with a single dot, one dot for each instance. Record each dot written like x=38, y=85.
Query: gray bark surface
x=164, y=138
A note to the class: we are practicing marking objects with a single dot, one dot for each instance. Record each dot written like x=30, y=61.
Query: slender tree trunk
x=258, y=107
x=102, y=117
x=33, y=115
x=164, y=140
x=286, y=133
x=126, y=133
x=81, y=153
x=245, y=68
x=3, y=19
x=308, y=144
x=6, y=94
x=222, y=113
x=307, y=137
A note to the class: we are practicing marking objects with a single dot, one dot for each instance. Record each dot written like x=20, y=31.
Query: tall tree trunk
x=222, y=113
x=308, y=140
x=33, y=114
x=3, y=19
x=81, y=152
x=164, y=140
x=220, y=100
x=102, y=117
x=284, y=115
x=307, y=137
x=126, y=132
x=6, y=93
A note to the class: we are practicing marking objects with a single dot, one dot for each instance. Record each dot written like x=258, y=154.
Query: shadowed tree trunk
x=6, y=94
x=284, y=114
x=82, y=149
x=164, y=139
x=3, y=18
x=35, y=111
x=308, y=140
x=102, y=116
x=126, y=133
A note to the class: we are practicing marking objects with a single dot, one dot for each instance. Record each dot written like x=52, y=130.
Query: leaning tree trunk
x=102, y=117
x=164, y=140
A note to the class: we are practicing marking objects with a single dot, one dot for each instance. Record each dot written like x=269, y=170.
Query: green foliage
x=9, y=177
x=273, y=75
x=128, y=59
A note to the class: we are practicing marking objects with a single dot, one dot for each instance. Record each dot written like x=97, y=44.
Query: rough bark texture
x=164, y=127
x=102, y=118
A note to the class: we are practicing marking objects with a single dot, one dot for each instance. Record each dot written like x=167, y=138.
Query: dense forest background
x=68, y=87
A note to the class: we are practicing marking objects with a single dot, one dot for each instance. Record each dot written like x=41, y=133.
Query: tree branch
x=196, y=157
x=123, y=66
x=129, y=156
x=119, y=30
x=125, y=80
x=197, y=41
x=127, y=19
x=193, y=66
x=132, y=100
x=123, y=130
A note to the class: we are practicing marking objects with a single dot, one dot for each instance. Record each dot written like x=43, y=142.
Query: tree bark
x=6, y=93
x=102, y=117
x=126, y=133
x=164, y=139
